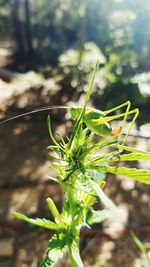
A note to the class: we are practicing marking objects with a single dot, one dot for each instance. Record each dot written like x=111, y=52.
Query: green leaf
x=61, y=138
x=104, y=199
x=51, y=135
x=114, y=157
x=55, y=251
x=105, y=158
x=53, y=147
x=98, y=176
x=133, y=156
x=52, y=207
x=98, y=216
x=80, y=117
x=140, y=175
x=52, y=256
x=131, y=149
x=90, y=87
x=139, y=244
x=38, y=222
x=75, y=255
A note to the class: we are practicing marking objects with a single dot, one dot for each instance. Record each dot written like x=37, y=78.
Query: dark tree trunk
x=18, y=28
x=28, y=28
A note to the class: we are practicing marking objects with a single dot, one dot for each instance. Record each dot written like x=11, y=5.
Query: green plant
x=81, y=167
x=142, y=249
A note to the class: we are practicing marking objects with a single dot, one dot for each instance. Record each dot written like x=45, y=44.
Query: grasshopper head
x=75, y=112
x=90, y=118
x=91, y=113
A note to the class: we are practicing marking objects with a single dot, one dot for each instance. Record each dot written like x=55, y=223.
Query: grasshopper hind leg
x=128, y=112
x=136, y=113
x=128, y=106
x=118, y=131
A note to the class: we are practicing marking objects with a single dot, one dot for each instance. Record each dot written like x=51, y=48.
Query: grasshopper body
x=90, y=117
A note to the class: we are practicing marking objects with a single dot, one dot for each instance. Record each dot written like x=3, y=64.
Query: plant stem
x=74, y=253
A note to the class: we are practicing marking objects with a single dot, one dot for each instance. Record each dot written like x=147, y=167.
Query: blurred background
x=47, y=53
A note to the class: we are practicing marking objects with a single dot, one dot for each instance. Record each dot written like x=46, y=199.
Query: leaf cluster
x=81, y=166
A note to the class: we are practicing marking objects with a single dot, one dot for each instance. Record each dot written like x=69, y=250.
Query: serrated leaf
x=133, y=156
x=52, y=256
x=104, y=199
x=38, y=222
x=55, y=251
x=105, y=158
x=140, y=175
x=112, y=157
x=75, y=255
x=98, y=216
x=131, y=149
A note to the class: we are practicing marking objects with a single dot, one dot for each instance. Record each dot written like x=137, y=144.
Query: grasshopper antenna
x=32, y=112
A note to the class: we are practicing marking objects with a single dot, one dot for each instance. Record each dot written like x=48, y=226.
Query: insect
x=96, y=120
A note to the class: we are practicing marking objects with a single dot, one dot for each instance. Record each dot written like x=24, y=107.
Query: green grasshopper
x=79, y=169
x=95, y=120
